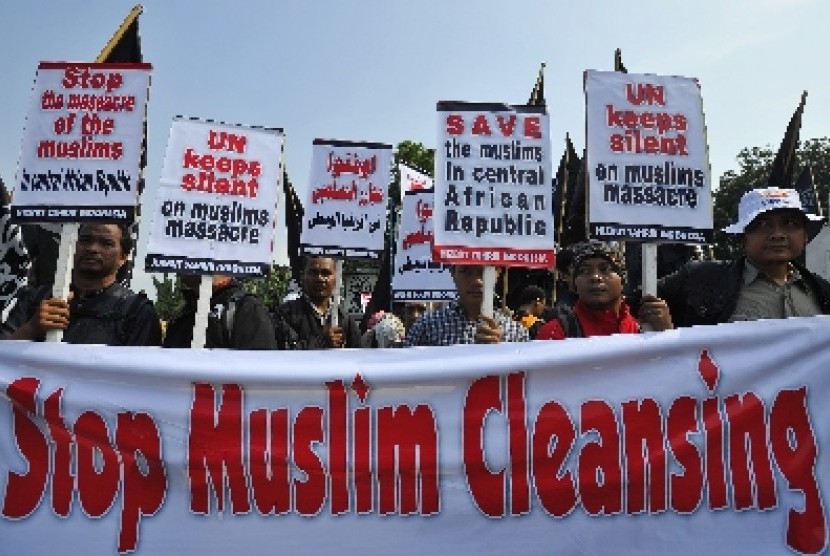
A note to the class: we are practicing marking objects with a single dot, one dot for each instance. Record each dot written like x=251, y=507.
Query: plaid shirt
x=450, y=326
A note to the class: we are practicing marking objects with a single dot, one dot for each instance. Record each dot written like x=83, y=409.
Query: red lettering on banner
x=214, y=447
x=97, y=488
x=24, y=492
x=554, y=485
x=270, y=474
x=519, y=451
x=102, y=465
x=406, y=450
x=646, y=456
x=407, y=460
x=747, y=425
x=310, y=494
x=793, y=443
x=686, y=487
x=486, y=487
x=362, y=434
x=600, y=476
x=700, y=435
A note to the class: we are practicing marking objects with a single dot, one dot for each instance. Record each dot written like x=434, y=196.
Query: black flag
x=293, y=226
x=618, y=63
x=537, y=95
x=783, y=167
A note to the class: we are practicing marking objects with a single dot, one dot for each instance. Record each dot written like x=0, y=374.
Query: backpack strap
x=229, y=315
x=567, y=317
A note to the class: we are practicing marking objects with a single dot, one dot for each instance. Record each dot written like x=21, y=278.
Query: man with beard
x=99, y=310
x=767, y=282
x=309, y=316
x=600, y=310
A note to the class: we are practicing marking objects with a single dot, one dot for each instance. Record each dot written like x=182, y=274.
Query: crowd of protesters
x=765, y=282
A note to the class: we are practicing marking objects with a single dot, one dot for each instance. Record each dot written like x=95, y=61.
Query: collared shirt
x=763, y=298
x=450, y=325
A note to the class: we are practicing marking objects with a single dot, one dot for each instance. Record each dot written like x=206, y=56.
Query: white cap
x=759, y=201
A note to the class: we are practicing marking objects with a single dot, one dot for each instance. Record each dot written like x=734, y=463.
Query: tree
x=754, y=169
x=169, y=296
x=271, y=289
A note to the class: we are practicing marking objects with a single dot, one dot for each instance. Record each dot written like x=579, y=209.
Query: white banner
x=81, y=148
x=710, y=440
x=416, y=276
x=493, y=185
x=648, y=165
x=345, y=209
x=413, y=180
x=216, y=202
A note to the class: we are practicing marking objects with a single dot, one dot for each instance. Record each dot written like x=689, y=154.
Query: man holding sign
x=310, y=316
x=462, y=321
x=99, y=309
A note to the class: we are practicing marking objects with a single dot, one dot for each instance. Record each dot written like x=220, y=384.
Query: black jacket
x=706, y=292
x=237, y=320
x=302, y=319
x=114, y=316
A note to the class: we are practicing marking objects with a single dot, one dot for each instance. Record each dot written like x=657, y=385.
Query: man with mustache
x=99, y=310
x=767, y=282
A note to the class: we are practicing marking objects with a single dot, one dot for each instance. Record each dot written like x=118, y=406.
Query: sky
x=373, y=69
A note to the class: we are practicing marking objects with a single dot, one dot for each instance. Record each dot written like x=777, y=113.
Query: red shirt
x=593, y=323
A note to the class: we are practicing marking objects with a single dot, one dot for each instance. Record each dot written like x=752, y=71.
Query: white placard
x=413, y=180
x=493, y=187
x=345, y=209
x=81, y=147
x=216, y=202
x=415, y=275
x=648, y=165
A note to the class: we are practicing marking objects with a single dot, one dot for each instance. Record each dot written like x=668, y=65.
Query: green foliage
x=411, y=153
x=168, y=296
x=272, y=288
x=754, y=169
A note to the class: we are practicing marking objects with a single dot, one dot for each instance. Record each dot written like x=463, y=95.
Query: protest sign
x=647, y=161
x=710, y=440
x=413, y=180
x=493, y=185
x=216, y=201
x=82, y=143
x=416, y=276
x=345, y=209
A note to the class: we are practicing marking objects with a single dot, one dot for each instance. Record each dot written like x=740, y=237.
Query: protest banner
x=216, y=201
x=416, y=276
x=710, y=440
x=493, y=185
x=413, y=180
x=81, y=147
x=647, y=160
x=345, y=209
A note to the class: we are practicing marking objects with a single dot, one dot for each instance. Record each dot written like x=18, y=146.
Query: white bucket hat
x=759, y=201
